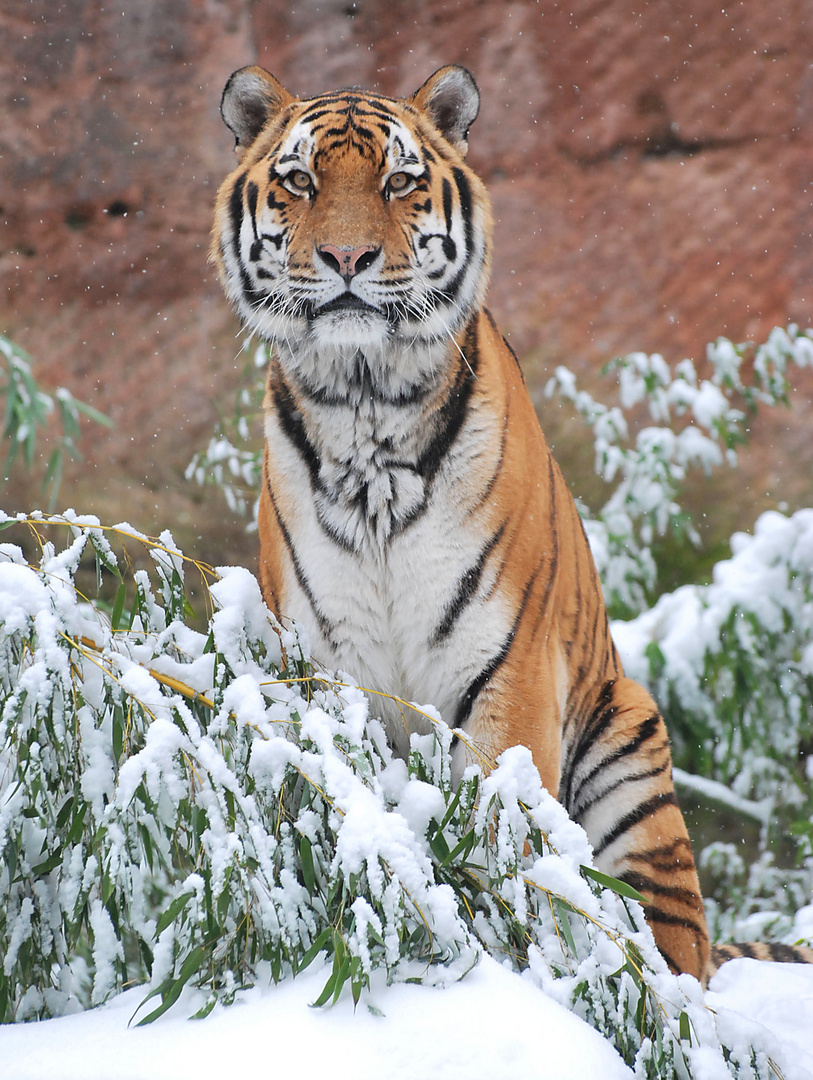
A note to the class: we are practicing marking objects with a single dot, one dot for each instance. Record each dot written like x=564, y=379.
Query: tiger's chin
x=350, y=328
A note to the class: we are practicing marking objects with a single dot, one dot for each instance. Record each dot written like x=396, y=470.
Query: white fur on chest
x=384, y=590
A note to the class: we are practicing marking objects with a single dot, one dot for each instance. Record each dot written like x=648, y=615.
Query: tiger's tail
x=758, y=950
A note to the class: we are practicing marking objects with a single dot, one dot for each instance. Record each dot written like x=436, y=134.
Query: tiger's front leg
x=617, y=783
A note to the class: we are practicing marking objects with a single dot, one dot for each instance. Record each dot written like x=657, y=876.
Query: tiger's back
x=412, y=517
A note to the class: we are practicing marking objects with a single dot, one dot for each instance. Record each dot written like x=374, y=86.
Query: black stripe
x=665, y=857
x=467, y=587
x=325, y=625
x=786, y=954
x=450, y=291
x=252, y=295
x=665, y=918
x=476, y=685
x=452, y=413
x=645, y=884
x=464, y=194
x=579, y=811
x=600, y=719
x=360, y=379
x=669, y=961
x=468, y=699
x=447, y=204
x=496, y=330
x=252, y=192
x=293, y=428
x=646, y=729
x=634, y=817
x=553, y=560
x=236, y=211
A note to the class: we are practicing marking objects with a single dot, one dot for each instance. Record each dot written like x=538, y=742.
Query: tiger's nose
x=348, y=261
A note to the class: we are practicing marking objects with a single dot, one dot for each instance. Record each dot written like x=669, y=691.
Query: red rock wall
x=650, y=170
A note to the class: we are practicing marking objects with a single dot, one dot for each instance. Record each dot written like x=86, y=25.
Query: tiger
x=411, y=517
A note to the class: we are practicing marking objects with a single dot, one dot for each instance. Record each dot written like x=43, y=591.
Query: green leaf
x=118, y=606
x=64, y=813
x=118, y=734
x=51, y=863
x=327, y=990
x=93, y=414
x=440, y=849
x=171, y=913
x=342, y=976
x=562, y=912
x=77, y=825
x=318, y=945
x=357, y=979
x=685, y=1028
x=450, y=809
x=107, y=887
x=11, y=863
x=224, y=898
x=306, y=857
x=191, y=965
x=462, y=850
x=614, y=884
x=205, y=1009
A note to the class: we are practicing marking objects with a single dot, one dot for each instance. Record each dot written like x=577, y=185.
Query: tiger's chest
x=386, y=568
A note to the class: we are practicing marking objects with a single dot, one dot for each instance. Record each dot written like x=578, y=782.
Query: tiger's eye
x=300, y=180
x=399, y=181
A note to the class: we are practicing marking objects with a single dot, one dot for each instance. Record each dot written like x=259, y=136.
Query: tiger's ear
x=250, y=99
x=451, y=100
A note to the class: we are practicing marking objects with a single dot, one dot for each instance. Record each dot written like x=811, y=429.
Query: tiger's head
x=352, y=221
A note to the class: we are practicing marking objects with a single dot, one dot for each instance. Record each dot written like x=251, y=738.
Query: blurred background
x=651, y=173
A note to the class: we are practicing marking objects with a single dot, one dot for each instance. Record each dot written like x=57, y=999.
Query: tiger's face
x=352, y=222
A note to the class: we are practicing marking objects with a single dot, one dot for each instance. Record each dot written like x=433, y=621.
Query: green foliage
x=29, y=409
x=697, y=424
x=731, y=664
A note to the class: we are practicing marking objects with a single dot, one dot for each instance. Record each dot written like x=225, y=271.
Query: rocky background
x=650, y=166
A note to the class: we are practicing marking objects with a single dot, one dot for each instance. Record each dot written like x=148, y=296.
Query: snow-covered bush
x=697, y=423
x=731, y=664
x=181, y=804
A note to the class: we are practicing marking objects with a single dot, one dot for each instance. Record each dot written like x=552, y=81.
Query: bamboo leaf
x=306, y=859
x=685, y=1028
x=564, y=923
x=118, y=606
x=192, y=964
x=317, y=946
x=614, y=884
x=171, y=913
x=327, y=990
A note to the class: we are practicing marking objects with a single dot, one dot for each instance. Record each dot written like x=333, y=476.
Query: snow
x=491, y=1025
x=775, y=997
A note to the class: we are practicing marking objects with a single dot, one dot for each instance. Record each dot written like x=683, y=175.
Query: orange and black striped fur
x=412, y=518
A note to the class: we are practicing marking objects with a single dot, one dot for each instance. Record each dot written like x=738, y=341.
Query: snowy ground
x=493, y=1025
